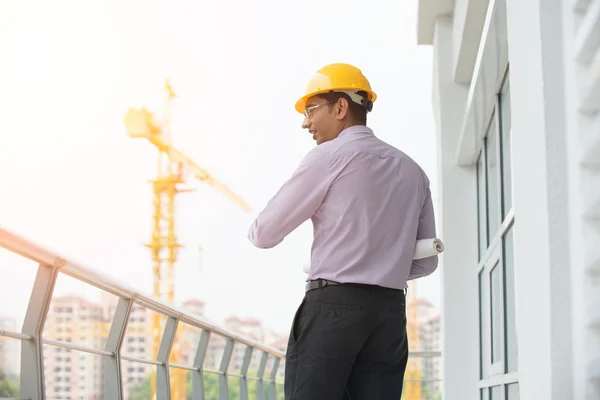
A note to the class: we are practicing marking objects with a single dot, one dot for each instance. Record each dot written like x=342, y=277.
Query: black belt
x=321, y=283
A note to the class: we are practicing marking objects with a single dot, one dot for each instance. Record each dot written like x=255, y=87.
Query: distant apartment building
x=9, y=348
x=253, y=329
x=429, y=331
x=194, y=306
x=71, y=374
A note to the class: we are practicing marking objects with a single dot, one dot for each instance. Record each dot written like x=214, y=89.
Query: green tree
x=8, y=385
x=142, y=391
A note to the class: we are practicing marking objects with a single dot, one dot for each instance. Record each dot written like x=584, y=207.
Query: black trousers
x=347, y=343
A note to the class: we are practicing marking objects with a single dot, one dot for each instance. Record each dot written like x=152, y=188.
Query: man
x=369, y=203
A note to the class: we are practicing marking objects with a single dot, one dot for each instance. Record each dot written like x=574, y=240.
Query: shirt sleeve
x=295, y=202
x=426, y=230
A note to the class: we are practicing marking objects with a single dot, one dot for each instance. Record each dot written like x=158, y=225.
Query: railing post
x=198, y=375
x=163, y=385
x=32, y=356
x=273, y=388
x=113, y=385
x=260, y=384
x=244, y=373
x=223, y=381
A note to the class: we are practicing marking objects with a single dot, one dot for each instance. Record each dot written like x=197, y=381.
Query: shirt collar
x=356, y=129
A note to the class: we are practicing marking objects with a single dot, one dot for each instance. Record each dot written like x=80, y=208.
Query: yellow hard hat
x=337, y=77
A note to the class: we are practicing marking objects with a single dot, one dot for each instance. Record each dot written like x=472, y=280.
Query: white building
x=68, y=373
x=516, y=95
x=429, y=340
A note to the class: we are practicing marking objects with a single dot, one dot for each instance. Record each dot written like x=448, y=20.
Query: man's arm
x=294, y=203
x=426, y=230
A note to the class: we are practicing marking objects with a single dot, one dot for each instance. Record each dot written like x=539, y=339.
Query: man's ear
x=342, y=108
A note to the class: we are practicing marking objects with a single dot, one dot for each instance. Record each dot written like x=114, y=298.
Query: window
x=509, y=302
x=496, y=393
x=483, y=328
x=496, y=313
x=481, y=205
x=496, y=272
x=505, y=125
x=512, y=392
x=493, y=179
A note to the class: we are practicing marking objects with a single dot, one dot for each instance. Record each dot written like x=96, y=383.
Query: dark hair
x=357, y=112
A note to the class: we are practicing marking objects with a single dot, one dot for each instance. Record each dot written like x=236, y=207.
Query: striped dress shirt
x=369, y=203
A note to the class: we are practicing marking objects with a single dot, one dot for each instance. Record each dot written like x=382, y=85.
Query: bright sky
x=72, y=180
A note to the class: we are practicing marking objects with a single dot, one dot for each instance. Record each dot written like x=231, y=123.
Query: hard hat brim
x=301, y=103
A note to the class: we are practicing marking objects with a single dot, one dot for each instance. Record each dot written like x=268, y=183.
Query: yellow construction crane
x=412, y=388
x=172, y=165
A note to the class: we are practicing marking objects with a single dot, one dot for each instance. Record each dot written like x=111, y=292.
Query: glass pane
x=233, y=383
x=512, y=391
x=237, y=358
x=484, y=393
x=10, y=367
x=496, y=393
x=277, y=393
x=271, y=364
x=71, y=374
x=509, y=287
x=255, y=360
x=137, y=379
x=138, y=340
x=189, y=388
x=185, y=345
x=214, y=352
x=423, y=378
x=483, y=327
x=496, y=313
x=79, y=313
x=179, y=380
x=18, y=275
x=491, y=157
x=211, y=385
x=505, y=125
x=481, y=205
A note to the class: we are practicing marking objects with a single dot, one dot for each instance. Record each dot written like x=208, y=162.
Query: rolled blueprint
x=424, y=248
x=428, y=248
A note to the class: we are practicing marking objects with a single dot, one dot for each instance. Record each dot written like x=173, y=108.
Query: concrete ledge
x=428, y=11
x=469, y=19
x=490, y=69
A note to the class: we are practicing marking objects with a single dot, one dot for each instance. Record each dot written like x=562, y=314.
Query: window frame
x=506, y=219
x=494, y=374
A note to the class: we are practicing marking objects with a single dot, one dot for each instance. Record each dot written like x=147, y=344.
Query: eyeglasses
x=309, y=110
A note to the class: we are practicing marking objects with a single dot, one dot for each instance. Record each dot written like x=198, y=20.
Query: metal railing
x=200, y=380
x=50, y=266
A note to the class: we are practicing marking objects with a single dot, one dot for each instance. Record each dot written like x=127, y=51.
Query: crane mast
x=164, y=245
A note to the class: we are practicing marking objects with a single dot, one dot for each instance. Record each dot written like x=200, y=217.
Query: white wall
x=580, y=32
x=557, y=228
x=458, y=228
x=540, y=199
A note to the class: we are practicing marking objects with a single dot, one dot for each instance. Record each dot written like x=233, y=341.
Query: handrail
x=32, y=339
x=34, y=252
x=51, y=264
